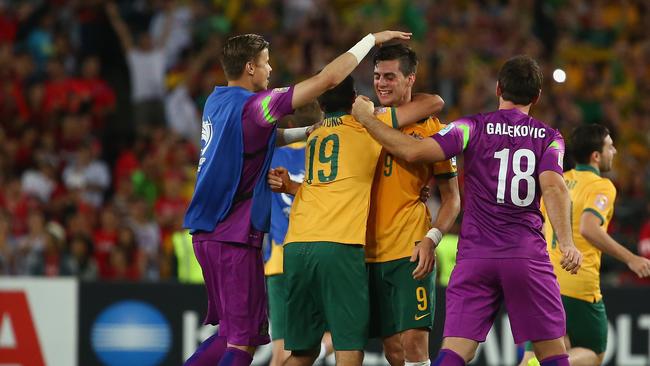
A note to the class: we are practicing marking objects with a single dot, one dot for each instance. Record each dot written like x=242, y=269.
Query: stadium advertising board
x=38, y=321
x=161, y=324
x=139, y=324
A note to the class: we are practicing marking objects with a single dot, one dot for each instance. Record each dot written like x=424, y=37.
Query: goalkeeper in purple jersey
x=511, y=160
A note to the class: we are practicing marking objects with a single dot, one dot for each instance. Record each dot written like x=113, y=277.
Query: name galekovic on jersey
x=505, y=129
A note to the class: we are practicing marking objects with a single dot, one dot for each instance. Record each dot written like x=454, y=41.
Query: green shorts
x=326, y=288
x=275, y=287
x=397, y=301
x=586, y=324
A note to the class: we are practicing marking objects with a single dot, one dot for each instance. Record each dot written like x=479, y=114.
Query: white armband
x=435, y=235
x=361, y=49
x=291, y=135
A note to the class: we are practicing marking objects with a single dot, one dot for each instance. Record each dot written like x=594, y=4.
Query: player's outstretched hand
x=425, y=254
x=571, y=258
x=278, y=179
x=387, y=35
x=363, y=108
x=640, y=266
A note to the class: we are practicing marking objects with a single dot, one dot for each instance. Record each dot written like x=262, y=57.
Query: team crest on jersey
x=446, y=129
x=280, y=90
x=601, y=201
x=206, y=135
x=380, y=110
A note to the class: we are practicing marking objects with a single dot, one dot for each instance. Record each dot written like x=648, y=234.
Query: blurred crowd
x=100, y=105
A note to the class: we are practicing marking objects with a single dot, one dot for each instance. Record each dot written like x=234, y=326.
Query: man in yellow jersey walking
x=401, y=282
x=324, y=263
x=593, y=207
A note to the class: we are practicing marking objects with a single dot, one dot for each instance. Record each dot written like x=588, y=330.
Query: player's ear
x=595, y=157
x=249, y=68
x=411, y=80
x=498, y=90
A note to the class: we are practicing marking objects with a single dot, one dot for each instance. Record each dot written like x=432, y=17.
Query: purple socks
x=209, y=352
x=235, y=357
x=447, y=357
x=559, y=360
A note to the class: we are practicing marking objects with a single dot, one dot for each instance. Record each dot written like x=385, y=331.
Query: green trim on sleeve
x=446, y=175
x=393, y=117
x=465, y=129
x=265, y=110
x=555, y=145
x=602, y=220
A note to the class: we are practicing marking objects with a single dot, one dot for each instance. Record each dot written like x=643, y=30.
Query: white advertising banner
x=38, y=321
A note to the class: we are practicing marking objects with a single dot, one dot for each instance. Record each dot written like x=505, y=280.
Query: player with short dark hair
x=400, y=266
x=593, y=199
x=510, y=158
x=230, y=209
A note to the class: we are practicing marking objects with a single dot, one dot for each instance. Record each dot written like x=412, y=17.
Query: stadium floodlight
x=559, y=76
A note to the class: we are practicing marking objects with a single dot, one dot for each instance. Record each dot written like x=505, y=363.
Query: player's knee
x=600, y=357
x=394, y=357
x=394, y=352
x=416, y=345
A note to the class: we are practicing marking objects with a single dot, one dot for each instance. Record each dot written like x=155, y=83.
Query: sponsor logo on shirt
x=446, y=129
x=280, y=90
x=601, y=201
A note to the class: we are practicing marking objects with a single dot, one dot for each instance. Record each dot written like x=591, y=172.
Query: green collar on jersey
x=335, y=114
x=586, y=168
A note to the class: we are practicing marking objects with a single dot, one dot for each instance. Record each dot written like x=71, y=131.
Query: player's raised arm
x=421, y=106
x=341, y=67
x=558, y=207
x=397, y=143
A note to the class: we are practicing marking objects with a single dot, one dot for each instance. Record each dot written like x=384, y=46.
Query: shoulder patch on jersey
x=446, y=129
x=280, y=90
x=601, y=201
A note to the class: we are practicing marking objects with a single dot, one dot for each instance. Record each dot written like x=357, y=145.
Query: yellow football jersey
x=589, y=192
x=275, y=264
x=333, y=201
x=398, y=219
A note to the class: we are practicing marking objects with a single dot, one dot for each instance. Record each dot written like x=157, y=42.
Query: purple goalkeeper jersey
x=504, y=153
x=259, y=117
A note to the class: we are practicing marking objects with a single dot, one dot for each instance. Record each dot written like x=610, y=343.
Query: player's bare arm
x=397, y=143
x=558, y=207
x=591, y=230
x=449, y=209
x=420, y=107
x=341, y=67
x=280, y=182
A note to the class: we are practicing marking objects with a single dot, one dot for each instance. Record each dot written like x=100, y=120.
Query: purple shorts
x=527, y=287
x=234, y=277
